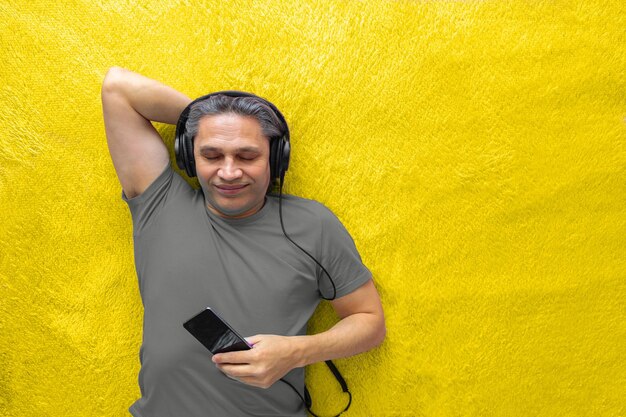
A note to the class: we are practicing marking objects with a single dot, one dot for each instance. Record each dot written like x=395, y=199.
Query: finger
x=253, y=340
x=231, y=357
x=236, y=371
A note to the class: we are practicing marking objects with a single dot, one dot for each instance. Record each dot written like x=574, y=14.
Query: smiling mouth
x=230, y=190
x=231, y=187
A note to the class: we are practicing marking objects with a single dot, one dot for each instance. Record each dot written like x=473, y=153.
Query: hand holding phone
x=214, y=333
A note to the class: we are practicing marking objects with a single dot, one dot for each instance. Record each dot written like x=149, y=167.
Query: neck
x=235, y=215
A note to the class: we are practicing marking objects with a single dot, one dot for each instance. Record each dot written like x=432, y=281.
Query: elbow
x=112, y=79
x=381, y=333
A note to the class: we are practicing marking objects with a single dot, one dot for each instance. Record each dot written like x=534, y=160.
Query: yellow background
x=475, y=150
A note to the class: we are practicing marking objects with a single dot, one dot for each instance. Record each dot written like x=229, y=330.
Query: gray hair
x=271, y=125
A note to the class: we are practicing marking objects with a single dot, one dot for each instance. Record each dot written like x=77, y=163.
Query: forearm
x=153, y=100
x=352, y=335
x=361, y=328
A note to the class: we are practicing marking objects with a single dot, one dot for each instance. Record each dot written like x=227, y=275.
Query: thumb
x=253, y=340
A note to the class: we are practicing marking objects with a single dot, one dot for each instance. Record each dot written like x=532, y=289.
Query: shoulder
x=306, y=211
x=302, y=205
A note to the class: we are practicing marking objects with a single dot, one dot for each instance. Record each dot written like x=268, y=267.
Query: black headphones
x=279, y=146
x=279, y=162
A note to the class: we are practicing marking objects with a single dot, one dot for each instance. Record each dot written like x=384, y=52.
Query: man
x=222, y=246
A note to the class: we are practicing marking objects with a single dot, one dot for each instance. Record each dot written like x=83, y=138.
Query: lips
x=228, y=190
x=230, y=187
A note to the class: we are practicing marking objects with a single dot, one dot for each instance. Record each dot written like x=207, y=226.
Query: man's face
x=232, y=164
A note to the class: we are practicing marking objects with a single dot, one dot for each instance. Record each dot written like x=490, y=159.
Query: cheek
x=265, y=173
x=258, y=170
x=204, y=171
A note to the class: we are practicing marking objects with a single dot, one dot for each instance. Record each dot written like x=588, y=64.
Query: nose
x=229, y=170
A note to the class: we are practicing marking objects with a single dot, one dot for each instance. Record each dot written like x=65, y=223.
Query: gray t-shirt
x=188, y=258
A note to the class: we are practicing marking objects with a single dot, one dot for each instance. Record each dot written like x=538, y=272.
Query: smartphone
x=214, y=333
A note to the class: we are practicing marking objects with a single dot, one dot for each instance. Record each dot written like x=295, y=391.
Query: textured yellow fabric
x=475, y=150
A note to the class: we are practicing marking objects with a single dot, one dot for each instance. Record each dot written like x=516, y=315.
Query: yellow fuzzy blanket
x=476, y=151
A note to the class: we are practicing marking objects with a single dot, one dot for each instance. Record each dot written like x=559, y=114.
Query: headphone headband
x=279, y=147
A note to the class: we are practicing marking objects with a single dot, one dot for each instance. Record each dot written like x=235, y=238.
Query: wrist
x=300, y=347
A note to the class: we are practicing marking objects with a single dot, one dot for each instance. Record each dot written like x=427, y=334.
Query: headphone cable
x=280, y=214
x=307, y=397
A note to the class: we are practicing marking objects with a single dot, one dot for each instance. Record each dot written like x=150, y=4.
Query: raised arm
x=129, y=102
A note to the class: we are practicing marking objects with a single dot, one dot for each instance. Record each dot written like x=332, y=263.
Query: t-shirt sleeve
x=147, y=205
x=340, y=258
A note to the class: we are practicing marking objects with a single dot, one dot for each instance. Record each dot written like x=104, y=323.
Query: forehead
x=229, y=130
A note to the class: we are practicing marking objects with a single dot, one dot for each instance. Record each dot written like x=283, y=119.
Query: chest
x=257, y=278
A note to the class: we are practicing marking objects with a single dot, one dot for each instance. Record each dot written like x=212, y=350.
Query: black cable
x=309, y=403
x=280, y=214
x=307, y=400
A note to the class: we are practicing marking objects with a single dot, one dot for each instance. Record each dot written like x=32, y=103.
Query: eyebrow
x=242, y=149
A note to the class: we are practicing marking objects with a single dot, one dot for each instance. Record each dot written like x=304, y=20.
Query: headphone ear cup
x=180, y=145
x=191, y=163
x=273, y=160
x=179, y=150
x=280, y=151
x=284, y=157
x=182, y=155
x=283, y=150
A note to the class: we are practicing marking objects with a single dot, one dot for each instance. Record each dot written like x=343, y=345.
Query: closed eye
x=245, y=157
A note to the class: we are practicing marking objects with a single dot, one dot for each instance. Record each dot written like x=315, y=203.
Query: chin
x=231, y=210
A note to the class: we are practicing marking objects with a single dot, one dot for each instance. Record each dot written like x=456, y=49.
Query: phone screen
x=214, y=333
